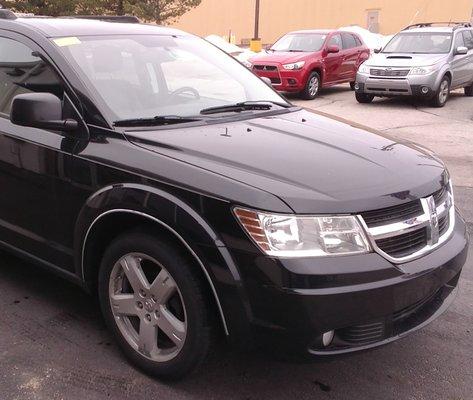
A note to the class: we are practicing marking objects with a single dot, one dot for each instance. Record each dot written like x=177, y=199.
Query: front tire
x=153, y=301
x=312, y=87
x=364, y=98
x=442, y=94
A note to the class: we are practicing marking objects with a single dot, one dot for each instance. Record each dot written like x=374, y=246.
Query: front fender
x=441, y=73
x=187, y=225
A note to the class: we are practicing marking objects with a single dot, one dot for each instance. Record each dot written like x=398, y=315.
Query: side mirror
x=40, y=110
x=333, y=49
x=377, y=50
x=461, y=50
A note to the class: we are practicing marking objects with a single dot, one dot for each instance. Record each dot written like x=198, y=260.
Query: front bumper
x=284, y=80
x=365, y=300
x=416, y=85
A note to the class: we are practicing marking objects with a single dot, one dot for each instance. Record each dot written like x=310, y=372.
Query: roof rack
x=454, y=25
x=131, y=19
x=6, y=14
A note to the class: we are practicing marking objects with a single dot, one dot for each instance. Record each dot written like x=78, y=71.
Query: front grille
x=403, y=245
x=403, y=230
x=363, y=334
x=443, y=224
x=388, y=72
x=265, y=67
x=275, y=81
x=393, y=214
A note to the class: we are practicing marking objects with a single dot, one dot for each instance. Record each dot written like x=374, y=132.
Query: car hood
x=313, y=163
x=404, y=60
x=282, y=57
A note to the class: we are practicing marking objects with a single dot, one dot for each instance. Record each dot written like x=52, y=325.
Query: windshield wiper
x=244, y=106
x=155, y=121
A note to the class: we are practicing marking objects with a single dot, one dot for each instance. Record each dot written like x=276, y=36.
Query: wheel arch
x=446, y=72
x=319, y=69
x=103, y=218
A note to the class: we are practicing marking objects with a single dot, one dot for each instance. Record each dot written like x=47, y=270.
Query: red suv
x=305, y=61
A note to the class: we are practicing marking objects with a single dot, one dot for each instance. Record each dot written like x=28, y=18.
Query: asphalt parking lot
x=53, y=343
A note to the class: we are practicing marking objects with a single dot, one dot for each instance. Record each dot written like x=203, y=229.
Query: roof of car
x=321, y=31
x=431, y=29
x=61, y=27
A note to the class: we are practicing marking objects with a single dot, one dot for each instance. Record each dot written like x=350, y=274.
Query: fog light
x=425, y=90
x=357, y=86
x=327, y=338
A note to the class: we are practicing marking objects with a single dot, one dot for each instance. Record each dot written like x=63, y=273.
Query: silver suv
x=423, y=60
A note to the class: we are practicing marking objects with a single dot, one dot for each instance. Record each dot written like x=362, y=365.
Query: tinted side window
x=468, y=38
x=348, y=41
x=21, y=72
x=336, y=40
x=357, y=40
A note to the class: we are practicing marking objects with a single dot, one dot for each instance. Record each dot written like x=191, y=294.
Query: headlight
x=421, y=70
x=364, y=69
x=294, y=66
x=303, y=236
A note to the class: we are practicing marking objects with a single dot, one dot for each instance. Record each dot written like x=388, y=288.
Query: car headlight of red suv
x=294, y=66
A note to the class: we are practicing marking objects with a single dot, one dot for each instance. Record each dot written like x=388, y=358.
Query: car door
x=468, y=66
x=34, y=163
x=333, y=61
x=459, y=64
x=351, y=53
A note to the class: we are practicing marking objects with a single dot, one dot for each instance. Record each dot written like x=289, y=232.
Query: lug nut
x=142, y=293
x=153, y=297
x=148, y=317
x=140, y=304
x=156, y=313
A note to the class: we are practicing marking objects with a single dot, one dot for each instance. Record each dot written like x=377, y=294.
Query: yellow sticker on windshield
x=67, y=41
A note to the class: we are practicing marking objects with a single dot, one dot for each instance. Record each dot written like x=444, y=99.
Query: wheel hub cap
x=148, y=307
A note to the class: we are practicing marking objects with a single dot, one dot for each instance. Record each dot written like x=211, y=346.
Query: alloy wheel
x=444, y=91
x=148, y=307
x=314, y=86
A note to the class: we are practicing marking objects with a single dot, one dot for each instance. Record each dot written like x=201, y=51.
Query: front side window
x=22, y=72
x=336, y=40
x=468, y=39
x=145, y=76
x=459, y=42
x=420, y=43
x=296, y=42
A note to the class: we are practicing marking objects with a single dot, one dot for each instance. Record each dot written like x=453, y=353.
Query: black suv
x=149, y=167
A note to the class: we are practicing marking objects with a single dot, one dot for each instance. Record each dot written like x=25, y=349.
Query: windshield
x=300, y=42
x=144, y=76
x=420, y=43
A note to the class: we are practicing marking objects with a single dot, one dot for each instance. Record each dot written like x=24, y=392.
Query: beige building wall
x=280, y=16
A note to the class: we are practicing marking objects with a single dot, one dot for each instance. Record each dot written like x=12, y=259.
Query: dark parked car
x=149, y=167
x=305, y=61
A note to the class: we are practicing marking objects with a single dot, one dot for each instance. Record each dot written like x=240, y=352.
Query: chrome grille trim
x=390, y=72
x=429, y=219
